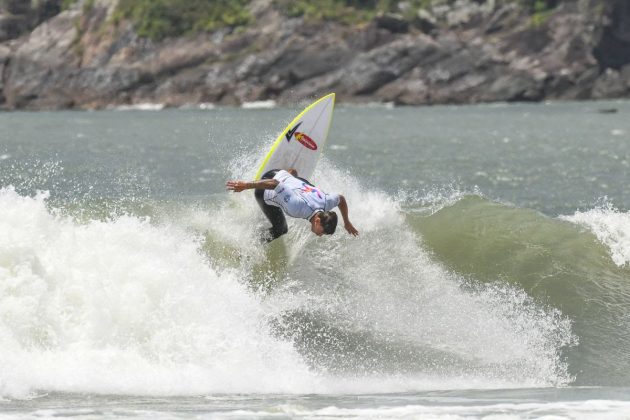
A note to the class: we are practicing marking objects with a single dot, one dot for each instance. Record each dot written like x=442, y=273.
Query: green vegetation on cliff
x=158, y=19
x=348, y=11
x=542, y=11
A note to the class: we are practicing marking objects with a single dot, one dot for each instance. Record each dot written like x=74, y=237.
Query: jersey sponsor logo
x=308, y=189
x=304, y=140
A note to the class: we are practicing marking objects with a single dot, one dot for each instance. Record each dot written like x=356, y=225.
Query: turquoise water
x=490, y=276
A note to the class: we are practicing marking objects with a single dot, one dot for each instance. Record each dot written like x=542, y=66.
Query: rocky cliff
x=460, y=51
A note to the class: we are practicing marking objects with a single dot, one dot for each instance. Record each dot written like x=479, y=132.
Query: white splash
x=126, y=307
x=612, y=228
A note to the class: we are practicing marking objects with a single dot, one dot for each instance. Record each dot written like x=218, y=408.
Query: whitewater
x=490, y=276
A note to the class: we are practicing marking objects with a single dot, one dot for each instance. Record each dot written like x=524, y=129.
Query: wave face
x=189, y=302
x=582, y=272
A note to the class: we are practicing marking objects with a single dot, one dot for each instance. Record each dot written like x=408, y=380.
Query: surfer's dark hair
x=328, y=219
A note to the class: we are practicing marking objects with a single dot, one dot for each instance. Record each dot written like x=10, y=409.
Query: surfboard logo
x=292, y=131
x=304, y=140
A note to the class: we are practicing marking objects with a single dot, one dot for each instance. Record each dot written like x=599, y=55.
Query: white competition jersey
x=297, y=198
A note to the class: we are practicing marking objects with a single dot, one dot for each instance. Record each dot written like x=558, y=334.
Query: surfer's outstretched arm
x=263, y=184
x=343, y=208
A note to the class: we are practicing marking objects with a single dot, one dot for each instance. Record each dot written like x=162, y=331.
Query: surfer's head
x=324, y=222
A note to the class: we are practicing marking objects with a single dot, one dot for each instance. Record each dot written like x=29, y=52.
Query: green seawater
x=490, y=277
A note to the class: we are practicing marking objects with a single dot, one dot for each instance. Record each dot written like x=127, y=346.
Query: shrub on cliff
x=158, y=19
x=347, y=11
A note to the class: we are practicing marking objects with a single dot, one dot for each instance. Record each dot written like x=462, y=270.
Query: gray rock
x=609, y=85
x=425, y=21
x=12, y=27
x=185, y=87
x=77, y=59
x=453, y=66
x=315, y=87
x=369, y=71
x=528, y=41
x=90, y=82
x=299, y=64
x=473, y=87
x=624, y=73
x=393, y=23
x=4, y=57
x=405, y=92
x=516, y=87
x=16, y=7
x=466, y=12
x=41, y=62
x=613, y=49
x=502, y=18
x=17, y=17
x=369, y=38
x=583, y=85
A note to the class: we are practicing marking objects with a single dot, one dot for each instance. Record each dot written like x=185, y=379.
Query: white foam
x=133, y=307
x=269, y=104
x=386, y=285
x=146, y=106
x=403, y=408
x=601, y=409
x=612, y=228
x=126, y=307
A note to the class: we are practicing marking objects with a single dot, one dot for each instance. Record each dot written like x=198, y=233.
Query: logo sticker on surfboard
x=305, y=140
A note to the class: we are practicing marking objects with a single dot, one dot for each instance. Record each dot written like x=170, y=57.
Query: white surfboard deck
x=301, y=143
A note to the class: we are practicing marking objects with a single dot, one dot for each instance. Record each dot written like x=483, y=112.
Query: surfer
x=281, y=191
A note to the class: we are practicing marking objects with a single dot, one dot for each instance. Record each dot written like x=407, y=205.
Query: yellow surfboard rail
x=286, y=130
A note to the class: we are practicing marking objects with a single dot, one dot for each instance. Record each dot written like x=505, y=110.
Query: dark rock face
x=12, y=26
x=20, y=16
x=471, y=51
x=392, y=23
x=613, y=50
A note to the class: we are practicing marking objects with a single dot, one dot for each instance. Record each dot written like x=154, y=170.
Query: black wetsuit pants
x=273, y=213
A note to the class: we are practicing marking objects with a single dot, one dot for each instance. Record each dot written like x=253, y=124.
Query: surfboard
x=301, y=143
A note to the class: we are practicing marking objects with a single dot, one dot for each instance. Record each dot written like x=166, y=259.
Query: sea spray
x=380, y=304
x=612, y=228
x=124, y=306
x=145, y=306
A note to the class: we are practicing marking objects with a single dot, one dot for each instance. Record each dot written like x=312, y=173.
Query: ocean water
x=490, y=278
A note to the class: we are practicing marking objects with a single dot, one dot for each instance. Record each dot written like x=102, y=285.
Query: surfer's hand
x=351, y=230
x=236, y=186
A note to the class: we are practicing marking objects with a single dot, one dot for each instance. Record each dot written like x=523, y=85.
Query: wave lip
x=611, y=227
